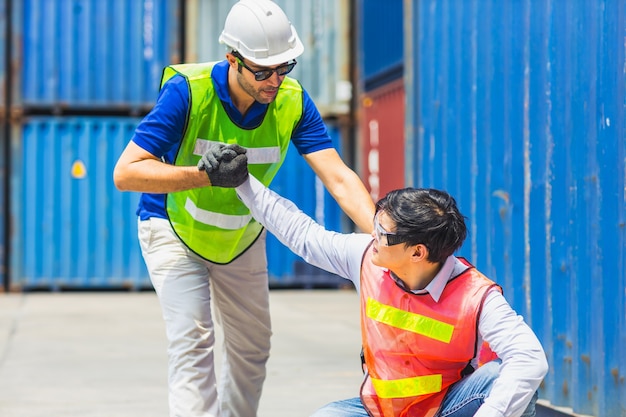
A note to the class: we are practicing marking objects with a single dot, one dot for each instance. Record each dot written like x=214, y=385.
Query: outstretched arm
x=334, y=252
x=345, y=186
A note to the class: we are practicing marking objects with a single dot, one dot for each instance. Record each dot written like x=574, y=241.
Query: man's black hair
x=427, y=216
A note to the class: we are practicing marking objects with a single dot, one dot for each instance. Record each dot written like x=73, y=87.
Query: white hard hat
x=261, y=32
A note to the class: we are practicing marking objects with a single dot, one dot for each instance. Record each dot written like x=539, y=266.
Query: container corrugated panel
x=380, y=41
x=322, y=25
x=382, y=139
x=517, y=109
x=3, y=63
x=297, y=181
x=72, y=227
x=4, y=276
x=93, y=53
x=3, y=139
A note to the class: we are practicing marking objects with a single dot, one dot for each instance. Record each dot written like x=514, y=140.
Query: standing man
x=425, y=314
x=198, y=240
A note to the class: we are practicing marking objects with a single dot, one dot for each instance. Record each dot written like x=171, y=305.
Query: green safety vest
x=212, y=221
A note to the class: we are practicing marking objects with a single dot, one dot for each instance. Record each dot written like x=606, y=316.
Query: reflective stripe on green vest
x=212, y=221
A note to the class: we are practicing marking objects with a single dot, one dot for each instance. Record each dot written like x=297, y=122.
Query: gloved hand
x=225, y=165
x=214, y=153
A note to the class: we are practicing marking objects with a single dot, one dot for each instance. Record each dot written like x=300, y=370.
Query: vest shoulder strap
x=189, y=71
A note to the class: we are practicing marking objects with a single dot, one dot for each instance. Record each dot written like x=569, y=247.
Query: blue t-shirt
x=161, y=131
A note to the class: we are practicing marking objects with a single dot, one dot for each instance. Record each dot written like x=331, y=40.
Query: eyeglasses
x=384, y=237
x=264, y=74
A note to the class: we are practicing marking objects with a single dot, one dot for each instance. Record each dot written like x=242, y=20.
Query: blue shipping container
x=380, y=41
x=71, y=227
x=518, y=109
x=92, y=53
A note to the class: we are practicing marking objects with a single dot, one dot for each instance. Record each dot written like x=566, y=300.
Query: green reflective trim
x=407, y=387
x=408, y=321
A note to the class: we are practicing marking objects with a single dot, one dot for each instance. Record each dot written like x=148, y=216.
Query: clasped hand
x=226, y=165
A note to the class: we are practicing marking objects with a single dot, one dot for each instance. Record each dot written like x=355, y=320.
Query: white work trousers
x=185, y=284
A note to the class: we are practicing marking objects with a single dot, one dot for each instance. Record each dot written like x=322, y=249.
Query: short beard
x=251, y=91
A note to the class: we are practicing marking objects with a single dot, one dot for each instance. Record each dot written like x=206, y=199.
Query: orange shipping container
x=382, y=138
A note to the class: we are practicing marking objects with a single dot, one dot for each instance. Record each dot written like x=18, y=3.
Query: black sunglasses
x=264, y=74
x=384, y=237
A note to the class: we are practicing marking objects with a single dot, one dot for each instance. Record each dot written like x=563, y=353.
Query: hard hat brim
x=267, y=61
x=278, y=59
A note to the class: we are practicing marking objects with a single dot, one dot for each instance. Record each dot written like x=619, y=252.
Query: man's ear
x=420, y=253
x=232, y=60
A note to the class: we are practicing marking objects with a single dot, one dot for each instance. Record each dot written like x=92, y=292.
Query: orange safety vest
x=416, y=348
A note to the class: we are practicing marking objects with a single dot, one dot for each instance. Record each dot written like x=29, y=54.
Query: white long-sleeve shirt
x=524, y=363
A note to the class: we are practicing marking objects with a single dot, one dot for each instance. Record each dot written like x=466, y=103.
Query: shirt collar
x=450, y=269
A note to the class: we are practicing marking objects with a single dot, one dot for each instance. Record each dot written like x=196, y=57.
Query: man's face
x=263, y=91
x=388, y=253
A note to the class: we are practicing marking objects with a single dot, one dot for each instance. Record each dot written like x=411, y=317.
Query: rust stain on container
x=615, y=375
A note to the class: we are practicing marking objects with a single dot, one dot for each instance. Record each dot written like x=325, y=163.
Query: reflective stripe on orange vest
x=408, y=321
x=407, y=387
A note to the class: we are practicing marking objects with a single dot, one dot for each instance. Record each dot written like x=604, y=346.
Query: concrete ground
x=103, y=354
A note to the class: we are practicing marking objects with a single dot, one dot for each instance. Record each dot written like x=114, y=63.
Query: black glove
x=217, y=151
x=225, y=165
